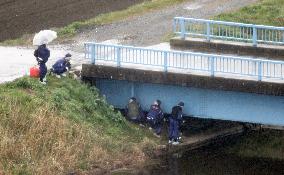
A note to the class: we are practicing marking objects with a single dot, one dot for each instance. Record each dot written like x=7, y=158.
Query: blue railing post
x=259, y=70
x=166, y=61
x=208, y=31
x=254, y=36
x=118, y=56
x=182, y=28
x=212, y=67
x=174, y=26
x=93, y=53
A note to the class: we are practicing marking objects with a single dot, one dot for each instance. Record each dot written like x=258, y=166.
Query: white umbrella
x=44, y=37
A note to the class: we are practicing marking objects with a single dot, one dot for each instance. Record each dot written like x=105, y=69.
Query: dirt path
x=151, y=28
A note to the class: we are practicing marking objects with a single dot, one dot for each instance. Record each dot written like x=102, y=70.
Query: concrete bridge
x=213, y=86
x=204, y=97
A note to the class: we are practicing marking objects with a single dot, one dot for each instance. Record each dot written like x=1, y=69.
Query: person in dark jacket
x=42, y=54
x=175, y=120
x=61, y=66
x=134, y=111
x=155, y=118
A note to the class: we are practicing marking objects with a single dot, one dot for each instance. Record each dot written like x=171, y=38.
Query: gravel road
x=151, y=28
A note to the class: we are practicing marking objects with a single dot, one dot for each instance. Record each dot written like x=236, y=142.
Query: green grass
x=266, y=12
x=139, y=9
x=262, y=144
x=67, y=126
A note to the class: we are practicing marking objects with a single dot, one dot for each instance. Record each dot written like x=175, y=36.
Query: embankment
x=65, y=127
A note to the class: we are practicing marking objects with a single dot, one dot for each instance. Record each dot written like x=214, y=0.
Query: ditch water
x=214, y=159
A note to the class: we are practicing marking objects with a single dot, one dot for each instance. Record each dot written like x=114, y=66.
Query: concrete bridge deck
x=92, y=72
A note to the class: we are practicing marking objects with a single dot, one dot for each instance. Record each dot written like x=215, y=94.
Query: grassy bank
x=64, y=127
x=262, y=144
x=267, y=12
x=71, y=29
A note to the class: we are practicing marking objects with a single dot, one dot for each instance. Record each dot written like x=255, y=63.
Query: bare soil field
x=18, y=17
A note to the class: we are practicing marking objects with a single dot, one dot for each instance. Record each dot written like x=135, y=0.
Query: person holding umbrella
x=42, y=53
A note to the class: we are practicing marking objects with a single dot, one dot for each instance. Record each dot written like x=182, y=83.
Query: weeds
x=266, y=12
x=63, y=127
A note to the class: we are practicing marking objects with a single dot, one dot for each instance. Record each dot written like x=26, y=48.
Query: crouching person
x=61, y=66
x=134, y=111
x=175, y=120
x=155, y=118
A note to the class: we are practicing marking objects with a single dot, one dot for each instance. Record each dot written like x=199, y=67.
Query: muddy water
x=215, y=160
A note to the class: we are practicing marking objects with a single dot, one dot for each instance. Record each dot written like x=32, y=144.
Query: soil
x=18, y=17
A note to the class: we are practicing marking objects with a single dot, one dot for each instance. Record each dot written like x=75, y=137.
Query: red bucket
x=34, y=72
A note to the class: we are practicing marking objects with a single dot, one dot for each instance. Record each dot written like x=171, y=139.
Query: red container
x=34, y=72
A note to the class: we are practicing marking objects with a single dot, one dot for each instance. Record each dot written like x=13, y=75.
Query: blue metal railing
x=231, y=31
x=185, y=61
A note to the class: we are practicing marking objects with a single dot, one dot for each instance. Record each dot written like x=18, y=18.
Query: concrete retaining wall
x=228, y=47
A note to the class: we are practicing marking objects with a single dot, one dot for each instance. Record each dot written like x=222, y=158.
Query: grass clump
x=62, y=128
x=266, y=12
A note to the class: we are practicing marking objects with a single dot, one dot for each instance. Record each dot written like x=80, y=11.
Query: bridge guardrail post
x=174, y=26
x=118, y=56
x=259, y=71
x=166, y=61
x=208, y=31
x=254, y=36
x=182, y=28
x=93, y=54
x=212, y=66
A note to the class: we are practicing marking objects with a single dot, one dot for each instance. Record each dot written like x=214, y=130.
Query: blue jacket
x=61, y=64
x=155, y=114
x=43, y=53
x=177, y=113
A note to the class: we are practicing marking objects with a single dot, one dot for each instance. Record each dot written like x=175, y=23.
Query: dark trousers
x=157, y=126
x=42, y=71
x=173, y=129
x=59, y=71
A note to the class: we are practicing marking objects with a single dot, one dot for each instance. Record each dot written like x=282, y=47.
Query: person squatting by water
x=155, y=118
x=61, y=66
x=134, y=111
x=42, y=54
x=174, y=125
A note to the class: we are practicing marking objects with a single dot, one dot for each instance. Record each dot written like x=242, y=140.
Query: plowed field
x=18, y=17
